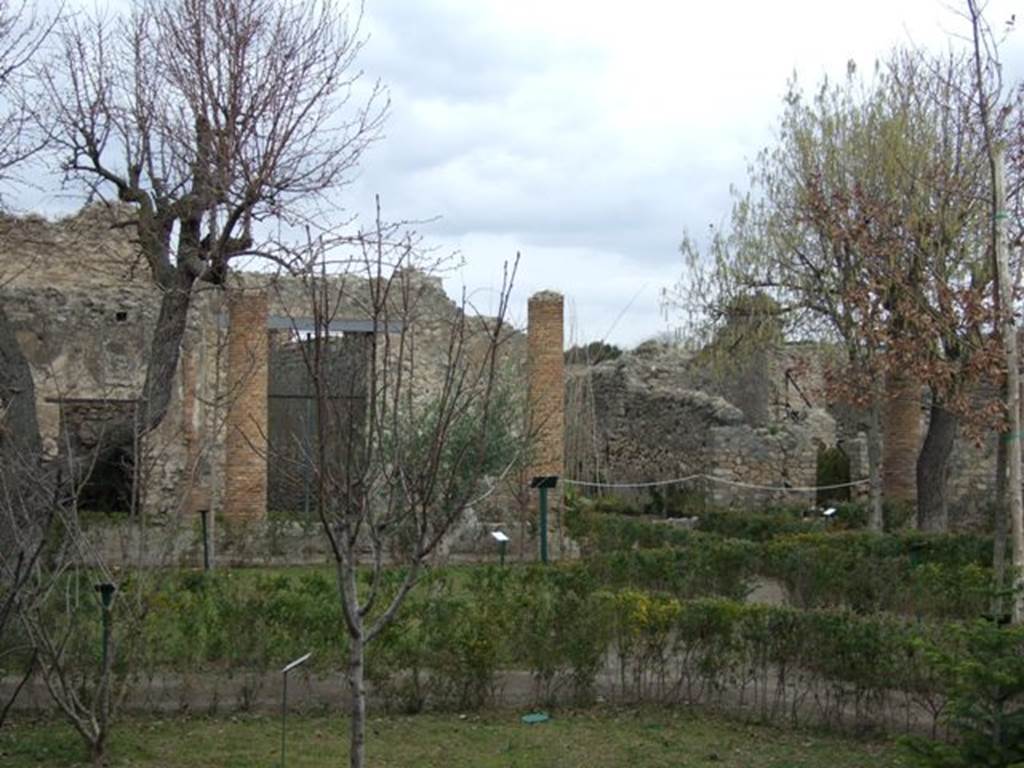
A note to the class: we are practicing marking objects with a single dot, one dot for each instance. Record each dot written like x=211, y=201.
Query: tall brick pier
x=546, y=381
x=245, y=461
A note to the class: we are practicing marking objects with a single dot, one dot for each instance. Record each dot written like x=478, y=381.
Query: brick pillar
x=901, y=429
x=245, y=461
x=546, y=381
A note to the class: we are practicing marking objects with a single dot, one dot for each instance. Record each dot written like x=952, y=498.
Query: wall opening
x=833, y=469
x=292, y=419
x=98, y=442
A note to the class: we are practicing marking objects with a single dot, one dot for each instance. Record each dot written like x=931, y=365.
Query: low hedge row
x=604, y=532
x=938, y=576
x=573, y=628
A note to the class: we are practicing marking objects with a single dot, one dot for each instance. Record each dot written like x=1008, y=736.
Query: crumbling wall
x=637, y=424
x=84, y=308
x=768, y=465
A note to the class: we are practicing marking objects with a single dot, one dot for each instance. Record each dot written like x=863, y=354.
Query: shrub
x=561, y=631
x=758, y=526
x=703, y=566
x=982, y=668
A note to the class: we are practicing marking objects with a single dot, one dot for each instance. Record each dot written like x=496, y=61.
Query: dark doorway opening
x=293, y=429
x=98, y=442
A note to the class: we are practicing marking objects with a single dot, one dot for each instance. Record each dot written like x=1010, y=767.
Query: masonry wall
x=84, y=309
x=631, y=422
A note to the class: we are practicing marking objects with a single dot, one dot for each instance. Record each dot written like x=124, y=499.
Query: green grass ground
x=591, y=739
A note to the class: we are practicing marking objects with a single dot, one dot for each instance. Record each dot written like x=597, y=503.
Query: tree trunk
x=1014, y=512
x=933, y=469
x=348, y=587
x=876, y=519
x=165, y=349
x=1000, y=529
x=98, y=750
x=902, y=428
x=357, y=687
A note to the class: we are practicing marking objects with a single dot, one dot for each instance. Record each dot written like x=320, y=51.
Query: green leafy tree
x=865, y=225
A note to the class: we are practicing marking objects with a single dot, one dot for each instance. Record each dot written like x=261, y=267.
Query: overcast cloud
x=588, y=135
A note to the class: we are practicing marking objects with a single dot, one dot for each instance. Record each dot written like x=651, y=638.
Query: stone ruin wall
x=83, y=308
x=632, y=422
x=658, y=413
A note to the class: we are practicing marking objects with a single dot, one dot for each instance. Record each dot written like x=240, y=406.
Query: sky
x=589, y=135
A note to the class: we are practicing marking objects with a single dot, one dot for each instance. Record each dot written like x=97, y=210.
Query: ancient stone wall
x=84, y=308
x=631, y=422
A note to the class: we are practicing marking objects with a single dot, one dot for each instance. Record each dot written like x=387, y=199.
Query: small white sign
x=301, y=660
x=829, y=512
x=499, y=536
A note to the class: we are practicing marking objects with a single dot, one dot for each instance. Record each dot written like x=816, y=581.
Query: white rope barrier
x=651, y=484
x=714, y=479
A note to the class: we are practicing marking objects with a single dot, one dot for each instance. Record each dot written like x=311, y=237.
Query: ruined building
x=240, y=425
x=240, y=419
x=755, y=430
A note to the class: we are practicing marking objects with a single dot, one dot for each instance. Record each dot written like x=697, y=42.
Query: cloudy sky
x=589, y=134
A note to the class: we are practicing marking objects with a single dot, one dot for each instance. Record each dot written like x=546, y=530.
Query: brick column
x=245, y=461
x=546, y=381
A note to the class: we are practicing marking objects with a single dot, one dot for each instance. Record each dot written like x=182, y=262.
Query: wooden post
x=1013, y=433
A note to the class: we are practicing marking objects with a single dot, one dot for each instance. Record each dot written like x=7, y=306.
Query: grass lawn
x=589, y=738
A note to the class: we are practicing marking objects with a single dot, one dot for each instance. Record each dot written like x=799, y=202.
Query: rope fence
x=714, y=479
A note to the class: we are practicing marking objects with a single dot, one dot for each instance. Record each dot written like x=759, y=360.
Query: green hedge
x=699, y=567
x=568, y=626
x=916, y=574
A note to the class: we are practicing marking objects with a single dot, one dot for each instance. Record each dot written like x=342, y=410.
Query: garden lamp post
x=502, y=538
x=204, y=517
x=542, y=483
x=106, y=591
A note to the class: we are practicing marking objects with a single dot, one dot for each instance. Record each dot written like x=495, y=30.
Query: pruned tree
x=209, y=120
x=413, y=455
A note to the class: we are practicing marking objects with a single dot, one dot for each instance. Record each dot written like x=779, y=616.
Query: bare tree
x=23, y=31
x=27, y=487
x=398, y=462
x=208, y=119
